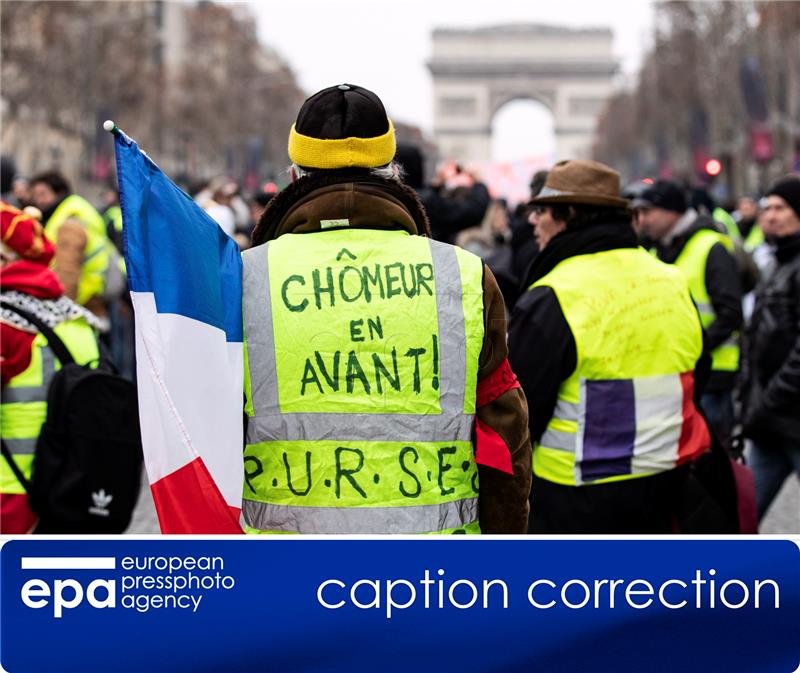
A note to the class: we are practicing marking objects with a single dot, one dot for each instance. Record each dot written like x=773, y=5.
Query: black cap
x=664, y=194
x=342, y=111
x=343, y=126
x=788, y=189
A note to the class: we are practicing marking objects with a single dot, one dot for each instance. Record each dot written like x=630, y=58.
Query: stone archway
x=475, y=72
x=522, y=129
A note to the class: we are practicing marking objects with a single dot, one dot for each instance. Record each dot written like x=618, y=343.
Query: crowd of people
x=594, y=361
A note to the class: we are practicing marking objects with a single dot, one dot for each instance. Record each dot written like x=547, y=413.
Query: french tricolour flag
x=638, y=426
x=185, y=277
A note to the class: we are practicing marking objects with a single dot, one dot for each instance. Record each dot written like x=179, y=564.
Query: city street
x=545, y=148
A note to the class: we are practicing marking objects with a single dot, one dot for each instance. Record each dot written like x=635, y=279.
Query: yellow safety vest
x=24, y=399
x=692, y=262
x=113, y=215
x=96, y=254
x=627, y=410
x=726, y=220
x=361, y=360
x=754, y=238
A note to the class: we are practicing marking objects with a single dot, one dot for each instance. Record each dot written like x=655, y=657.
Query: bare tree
x=67, y=63
x=226, y=107
x=689, y=104
x=233, y=97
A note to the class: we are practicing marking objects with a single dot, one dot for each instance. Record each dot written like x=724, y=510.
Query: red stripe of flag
x=695, y=438
x=188, y=502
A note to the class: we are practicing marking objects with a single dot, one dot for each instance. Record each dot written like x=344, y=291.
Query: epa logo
x=69, y=593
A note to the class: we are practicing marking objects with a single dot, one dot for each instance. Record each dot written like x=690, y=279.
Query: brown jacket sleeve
x=70, y=245
x=503, y=498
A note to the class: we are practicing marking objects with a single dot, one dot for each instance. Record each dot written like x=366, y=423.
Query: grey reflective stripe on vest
x=705, y=308
x=452, y=334
x=257, y=305
x=360, y=427
x=269, y=424
x=21, y=446
x=360, y=520
x=566, y=411
x=556, y=439
x=12, y=394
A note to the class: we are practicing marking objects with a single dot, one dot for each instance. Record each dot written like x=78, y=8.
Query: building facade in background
x=189, y=80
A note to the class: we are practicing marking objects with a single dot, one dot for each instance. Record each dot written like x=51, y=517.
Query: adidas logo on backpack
x=101, y=503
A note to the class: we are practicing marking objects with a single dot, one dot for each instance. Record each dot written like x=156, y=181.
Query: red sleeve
x=491, y=450
x=501, y=380
x=15, y=351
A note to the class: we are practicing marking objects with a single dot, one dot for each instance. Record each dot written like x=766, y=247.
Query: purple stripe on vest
x=610, y=429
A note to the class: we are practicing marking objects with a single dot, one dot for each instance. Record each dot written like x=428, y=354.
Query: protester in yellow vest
x=79, y=234
x=112, y=216
x=705, y=256
x=746, y=217
x=378, y=393
x=27, y=364
x=605, y=344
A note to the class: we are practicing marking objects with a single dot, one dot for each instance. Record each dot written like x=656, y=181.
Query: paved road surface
x=783, y=517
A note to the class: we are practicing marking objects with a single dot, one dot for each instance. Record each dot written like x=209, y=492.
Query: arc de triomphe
x=477, y=71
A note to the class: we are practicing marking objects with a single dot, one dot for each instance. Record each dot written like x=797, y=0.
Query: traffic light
x=713, y=167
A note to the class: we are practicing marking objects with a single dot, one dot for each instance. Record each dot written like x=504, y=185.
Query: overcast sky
x=384, y=45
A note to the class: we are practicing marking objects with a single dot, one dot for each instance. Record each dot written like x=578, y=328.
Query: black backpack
x=88, y=460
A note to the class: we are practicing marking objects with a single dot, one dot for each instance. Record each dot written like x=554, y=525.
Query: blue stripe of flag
x=174, y=249
x=610, y=429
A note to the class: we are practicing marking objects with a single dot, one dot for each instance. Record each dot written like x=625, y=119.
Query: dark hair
x=263, y=198
x=579, y=216
x=8, y=171
x=53, y=179
x=410, y=158
x=700, y=199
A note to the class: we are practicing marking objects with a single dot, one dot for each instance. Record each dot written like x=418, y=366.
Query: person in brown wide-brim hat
x=602, y=327
x=576, y=194
x=577, y=181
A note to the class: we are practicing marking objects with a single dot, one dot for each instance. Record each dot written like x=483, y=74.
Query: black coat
x=541, y=347
x=772, y=348
x=449, y=215
x=543, y=354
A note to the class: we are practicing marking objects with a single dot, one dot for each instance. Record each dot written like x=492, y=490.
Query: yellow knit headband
x=341, y=152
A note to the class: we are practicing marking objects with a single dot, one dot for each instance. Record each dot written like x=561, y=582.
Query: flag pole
x=111, y=126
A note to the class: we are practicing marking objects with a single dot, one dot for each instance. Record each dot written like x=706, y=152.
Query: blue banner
x=301, y=604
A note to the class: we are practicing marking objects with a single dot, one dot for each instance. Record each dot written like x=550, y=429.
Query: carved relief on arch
x=457, y=106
